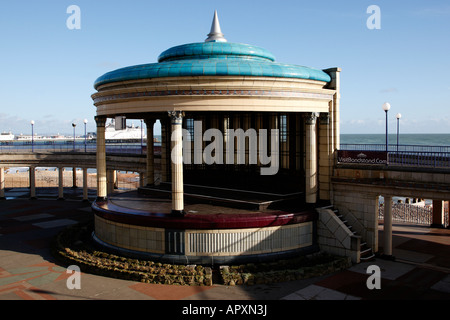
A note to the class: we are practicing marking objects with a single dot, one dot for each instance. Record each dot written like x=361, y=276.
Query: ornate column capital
x=100, y=121
x=176, y=117
x=310, y=118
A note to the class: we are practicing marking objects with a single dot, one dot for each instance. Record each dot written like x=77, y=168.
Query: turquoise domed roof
x=218, y=50
x=214, y=57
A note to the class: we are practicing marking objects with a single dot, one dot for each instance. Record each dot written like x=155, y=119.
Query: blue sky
x=48, y=70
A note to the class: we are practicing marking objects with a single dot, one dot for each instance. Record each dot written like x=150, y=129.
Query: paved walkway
x=28, y=271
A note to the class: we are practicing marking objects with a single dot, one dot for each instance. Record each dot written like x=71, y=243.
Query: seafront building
x=256, y=150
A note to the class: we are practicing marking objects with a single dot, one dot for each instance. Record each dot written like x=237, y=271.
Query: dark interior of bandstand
x=241, y=185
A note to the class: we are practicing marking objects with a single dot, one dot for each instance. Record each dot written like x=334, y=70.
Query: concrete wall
x=335, y=237
x=126, y=162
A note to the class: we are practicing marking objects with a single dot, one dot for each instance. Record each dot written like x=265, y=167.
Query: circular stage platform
x=214, y=230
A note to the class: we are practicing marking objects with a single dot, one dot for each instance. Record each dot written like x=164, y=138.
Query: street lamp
x=85, y=136
x=398, y=116
x=386, y=107
x=74, y=125
x=32, y=135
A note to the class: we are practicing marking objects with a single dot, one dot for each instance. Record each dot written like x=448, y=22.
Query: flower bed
x=74, y=246
x=284, y=270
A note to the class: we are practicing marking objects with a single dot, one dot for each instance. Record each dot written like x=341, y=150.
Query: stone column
x=32, y=183
x=387, y=227
x=298, y=143
x=74, y=178
x=324, y=157
x=85, y=185
x=335, y=84
x=150, y=176
x=116, y=180
x=177, y=162
x=141, y=179
x=101, y=159
x=60, y=183
x=438, y=214
x=2, y=183
x=311, y=158
x=258, y=126
x=110, y=181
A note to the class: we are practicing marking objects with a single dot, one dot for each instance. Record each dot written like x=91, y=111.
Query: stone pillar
x=298, y=143
x=141, y=179
x=2, y=183
x=101, y=159
x=335, y=84
x=110, y=181
x=258, y=126
x=325, y=163
x=116, y=180
x=150, y=176
x=60, y=183
x=438, y=214
x=164, y=164
x=32, y=171
x=177, y=162
x=387, y=227
x=85, y=185
x=74, y=178
x=311, y=158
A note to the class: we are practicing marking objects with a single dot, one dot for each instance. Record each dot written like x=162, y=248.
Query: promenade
x=29, y=272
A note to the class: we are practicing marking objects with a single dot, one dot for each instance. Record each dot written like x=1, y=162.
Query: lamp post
x=386, y=107
x=85, y=136
x=398, y=116
x=74, y=125
x=32, y=135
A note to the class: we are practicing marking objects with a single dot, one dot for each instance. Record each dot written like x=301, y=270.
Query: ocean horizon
x=422, y=139
x=428, y=139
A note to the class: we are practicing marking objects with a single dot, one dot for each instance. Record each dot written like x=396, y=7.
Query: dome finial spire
x=215, y=35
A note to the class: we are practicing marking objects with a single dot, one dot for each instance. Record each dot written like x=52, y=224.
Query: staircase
x=366, y=253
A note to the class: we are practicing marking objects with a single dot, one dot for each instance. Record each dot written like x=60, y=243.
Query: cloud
x=389, y=90
x=107, y=65
x=436, y=11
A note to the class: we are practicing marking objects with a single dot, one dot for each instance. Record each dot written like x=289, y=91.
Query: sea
x=403, y=139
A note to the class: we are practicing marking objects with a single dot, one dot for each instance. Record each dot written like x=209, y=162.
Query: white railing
x=404, y=212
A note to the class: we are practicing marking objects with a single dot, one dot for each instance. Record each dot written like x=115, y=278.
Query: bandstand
x=246, y=154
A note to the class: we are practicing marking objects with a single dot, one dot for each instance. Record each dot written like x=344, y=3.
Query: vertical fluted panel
x=241, y=241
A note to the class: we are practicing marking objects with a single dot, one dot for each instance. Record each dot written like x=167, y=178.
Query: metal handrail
x=410, y=156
